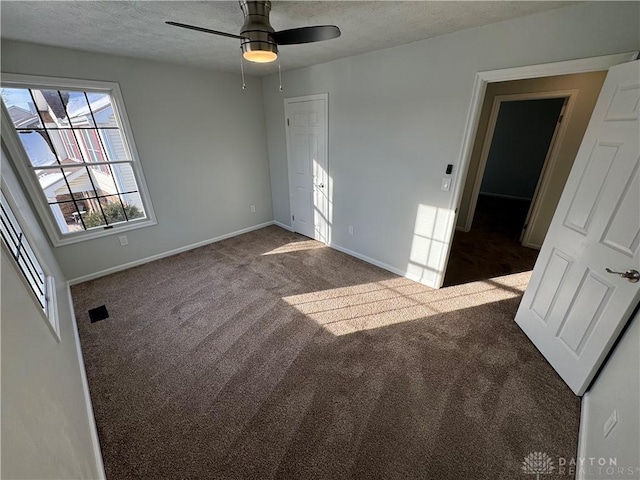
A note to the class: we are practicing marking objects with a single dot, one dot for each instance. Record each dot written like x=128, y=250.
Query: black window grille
x=21, y=251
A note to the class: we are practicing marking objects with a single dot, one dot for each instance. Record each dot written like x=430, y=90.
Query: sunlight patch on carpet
x=296, y=247
x=346, y=310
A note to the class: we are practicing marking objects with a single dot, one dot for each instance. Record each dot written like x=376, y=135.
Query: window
x=19, y=247
x=71, y=143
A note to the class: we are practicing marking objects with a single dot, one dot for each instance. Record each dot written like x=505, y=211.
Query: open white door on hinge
x=573, y=309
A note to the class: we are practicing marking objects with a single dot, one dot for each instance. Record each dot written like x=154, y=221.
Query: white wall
x=617, y=387
x=201, y=141
x=46, y=428
x=397, y=117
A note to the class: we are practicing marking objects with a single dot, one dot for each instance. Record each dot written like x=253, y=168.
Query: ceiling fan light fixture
x=259, y=41
x=258, y=45
x=259, y=56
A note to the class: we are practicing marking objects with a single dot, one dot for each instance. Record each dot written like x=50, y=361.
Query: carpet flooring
x=269, y=355
x=492, y=247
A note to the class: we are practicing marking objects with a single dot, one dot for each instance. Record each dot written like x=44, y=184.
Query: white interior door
x=308, y=177
x=573, y=309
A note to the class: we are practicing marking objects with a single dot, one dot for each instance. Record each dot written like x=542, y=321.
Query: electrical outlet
x=123, y=240
x=253, y=209
x=446, y=184
x=350, y=229
x=611, y=422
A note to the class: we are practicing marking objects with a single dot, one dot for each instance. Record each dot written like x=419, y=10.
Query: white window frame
x=49, y=311
x=21, y=161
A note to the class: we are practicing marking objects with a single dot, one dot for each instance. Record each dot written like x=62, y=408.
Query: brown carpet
x=492, y=247
x=269, y=355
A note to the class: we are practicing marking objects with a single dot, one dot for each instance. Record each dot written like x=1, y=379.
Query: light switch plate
x=123, y=240
x=446, y=184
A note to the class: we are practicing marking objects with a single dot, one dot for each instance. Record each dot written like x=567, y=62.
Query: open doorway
x=521, y=145
x=528, y=136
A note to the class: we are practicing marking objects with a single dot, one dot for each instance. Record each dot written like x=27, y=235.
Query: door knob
x=631, y=275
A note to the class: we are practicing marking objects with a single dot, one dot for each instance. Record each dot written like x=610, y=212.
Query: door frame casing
x=582, y=65
x=550, y=157
x=306, y=98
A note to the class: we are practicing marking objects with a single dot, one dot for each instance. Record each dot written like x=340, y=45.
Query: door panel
x=306, y=137
x=624, y=104
x=546, y=294
x=303, y=208
x=623, y=231
x=590, y=187
x=573, y=310
x=589, y=301
x=300, y=155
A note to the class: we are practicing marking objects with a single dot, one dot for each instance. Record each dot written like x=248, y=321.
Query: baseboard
x=168, y=253
x=532, y=245
x=384, y=266
x=370, y=260
x=282, y=225
x=95, y=441
x=463, y=229
x=500, y=195
x=175, y=251
x=582, y=434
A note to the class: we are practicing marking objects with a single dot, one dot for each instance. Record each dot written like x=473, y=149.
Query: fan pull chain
x=279, y=74
x=244, y=86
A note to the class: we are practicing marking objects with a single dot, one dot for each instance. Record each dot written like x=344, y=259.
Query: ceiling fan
x=259, y=41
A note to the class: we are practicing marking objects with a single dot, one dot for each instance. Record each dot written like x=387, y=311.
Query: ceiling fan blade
x=205, y=30
x=306, y=34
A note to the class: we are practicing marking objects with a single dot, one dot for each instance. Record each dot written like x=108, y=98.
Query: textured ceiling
x=137, y=29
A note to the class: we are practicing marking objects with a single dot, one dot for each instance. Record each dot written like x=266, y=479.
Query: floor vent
x=99, y=313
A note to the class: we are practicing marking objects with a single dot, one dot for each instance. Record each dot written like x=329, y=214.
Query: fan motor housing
x=256, y=27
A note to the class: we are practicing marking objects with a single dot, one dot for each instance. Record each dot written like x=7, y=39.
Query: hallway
x=492, y=247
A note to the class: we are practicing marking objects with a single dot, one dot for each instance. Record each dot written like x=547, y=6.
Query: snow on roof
x=49, y=179
x=77, y=106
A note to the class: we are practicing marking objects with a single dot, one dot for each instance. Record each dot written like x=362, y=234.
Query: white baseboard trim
x=158, y=256
x=370, y=260
x=282, y=225
x=95, y=441
x=378, y=263
x=582, y=434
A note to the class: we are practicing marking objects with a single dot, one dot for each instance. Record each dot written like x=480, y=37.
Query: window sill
x=60, y=241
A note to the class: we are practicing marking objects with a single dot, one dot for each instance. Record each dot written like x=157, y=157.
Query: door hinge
x=293, y=217
x=525, y=226
x=287, y=122
x=560, y=118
